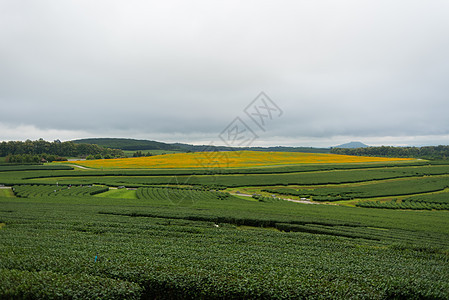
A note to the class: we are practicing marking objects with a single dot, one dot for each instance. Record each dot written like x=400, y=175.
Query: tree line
x=36, y=151
x=427, y=152
x=33, y=159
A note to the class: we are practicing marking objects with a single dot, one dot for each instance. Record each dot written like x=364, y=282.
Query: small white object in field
x=216, y=225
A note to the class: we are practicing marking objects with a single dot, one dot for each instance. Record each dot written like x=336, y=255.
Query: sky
x=330, y=72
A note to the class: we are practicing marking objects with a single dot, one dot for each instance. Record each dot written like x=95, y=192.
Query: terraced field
x=30, y=191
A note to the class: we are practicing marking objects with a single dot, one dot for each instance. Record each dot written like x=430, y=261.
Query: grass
x=230, y=159
x=118, y=193
x=6, y=193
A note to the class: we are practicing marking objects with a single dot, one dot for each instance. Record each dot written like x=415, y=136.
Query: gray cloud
x=181, y=71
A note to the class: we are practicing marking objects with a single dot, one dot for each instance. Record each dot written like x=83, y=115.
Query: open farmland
x=185, y=233
x=232, y=159
x=224, y=150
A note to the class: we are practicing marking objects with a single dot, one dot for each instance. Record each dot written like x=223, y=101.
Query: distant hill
x=136, y=145
x=352, y=145
x=198, y=148
x=127, y=144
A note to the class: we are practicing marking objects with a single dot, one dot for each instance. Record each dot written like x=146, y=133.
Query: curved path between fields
x=287, y=199
x=81, y=167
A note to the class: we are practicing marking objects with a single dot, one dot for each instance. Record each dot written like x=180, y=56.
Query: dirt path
x=287, y=199
x=301, y=201
x=241, y=194
x=81, y=167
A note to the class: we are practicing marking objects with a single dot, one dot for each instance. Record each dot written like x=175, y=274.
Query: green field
x=119, y=193
x=184, y=234
x=6, y=192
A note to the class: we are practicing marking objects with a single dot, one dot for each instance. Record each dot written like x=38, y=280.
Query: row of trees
x=57, y=148
x=30, y=158
x=99, y=156
x=428, y=152
x=141, y=154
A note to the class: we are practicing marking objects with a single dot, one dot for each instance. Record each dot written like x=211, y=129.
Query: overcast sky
x=182, y=71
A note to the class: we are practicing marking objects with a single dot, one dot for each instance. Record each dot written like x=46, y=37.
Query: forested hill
x=427, y=152
x=128, y=144
x=136, y=145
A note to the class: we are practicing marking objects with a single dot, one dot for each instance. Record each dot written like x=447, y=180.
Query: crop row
x=21, y=284
x=26, y=191
x=422, y=202
x=369, y=190
x=442, y=198
x=11, y=167
x=178, y=195
x=215, y=178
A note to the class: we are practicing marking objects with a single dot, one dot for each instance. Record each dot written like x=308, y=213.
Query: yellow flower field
x=229, y=159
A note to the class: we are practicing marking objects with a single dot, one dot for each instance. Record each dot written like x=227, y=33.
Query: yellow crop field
x=229, y=159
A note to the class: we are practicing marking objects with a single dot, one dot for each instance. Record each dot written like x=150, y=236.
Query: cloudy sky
x=182, y=71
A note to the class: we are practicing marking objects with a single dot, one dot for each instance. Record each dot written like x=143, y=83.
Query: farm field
x=189, y=233
x=231, y=159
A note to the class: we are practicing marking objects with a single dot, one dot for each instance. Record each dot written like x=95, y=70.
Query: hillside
x=352, y=145
x=127, y=144
x=134, y=145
